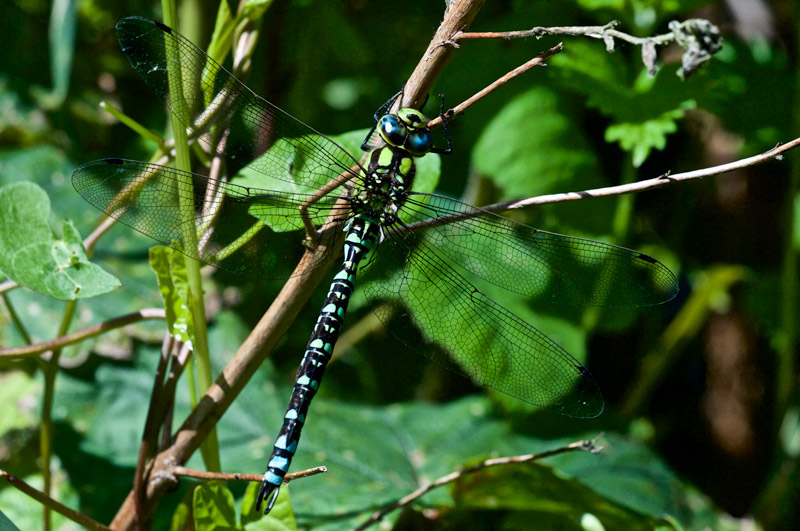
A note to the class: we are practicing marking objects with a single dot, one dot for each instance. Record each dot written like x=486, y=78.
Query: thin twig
x=639, y=186
x=656, y=182
x=539, y=60
x=585, y=445
x=699, y=38
x=594, y=32
x=229, y=476
x=47, y=501
x=76, y=337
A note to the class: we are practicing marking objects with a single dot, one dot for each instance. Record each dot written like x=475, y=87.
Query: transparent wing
x=475, y=336
x=536, y=263
x=222, y=112
x=245, y=230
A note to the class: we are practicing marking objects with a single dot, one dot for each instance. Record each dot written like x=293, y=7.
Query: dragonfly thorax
x=385, y=185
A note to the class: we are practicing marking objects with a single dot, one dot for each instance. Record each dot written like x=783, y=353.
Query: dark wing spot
x=646, y=258
x=162, y=27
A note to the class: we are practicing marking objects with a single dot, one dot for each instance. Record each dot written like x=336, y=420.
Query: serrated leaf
x=170, y=269
x=213, y=507
x=31, y=256
x=641, y=138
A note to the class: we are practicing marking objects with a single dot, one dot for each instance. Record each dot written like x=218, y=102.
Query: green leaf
x=602, y=4
x=643, y=109
x=533, y=147
x=427, y=176
x=170, y=269
x=281, y=518
x=641, y=138
x=212, y=507
x=31, y=256
x=63, y=21
x=6, y=524
x=546, y=496
x=182, y=514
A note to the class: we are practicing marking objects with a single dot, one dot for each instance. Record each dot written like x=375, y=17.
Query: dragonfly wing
x=222, y=112
x=533, y=262
x=241, y=229
x=475, y=336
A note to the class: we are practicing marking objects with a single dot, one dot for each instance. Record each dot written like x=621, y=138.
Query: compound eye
x=392, y=130
x=419, y=142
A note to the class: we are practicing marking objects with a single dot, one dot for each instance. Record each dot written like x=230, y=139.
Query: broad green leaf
x=428, y=168
x=6, y=524
x=281, y=518
x=31, y=256
x=170, y=269
x=545, y=496
x=401, y=446
x=534, y=147
x=212, y=507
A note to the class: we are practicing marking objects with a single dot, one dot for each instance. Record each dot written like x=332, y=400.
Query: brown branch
x=539, y=60
x=585, y=445
x=49, y=502
x=235, y=476
x=458, y=17
x=76, y=337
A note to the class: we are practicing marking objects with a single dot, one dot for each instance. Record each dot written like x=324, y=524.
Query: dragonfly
x=416, y=249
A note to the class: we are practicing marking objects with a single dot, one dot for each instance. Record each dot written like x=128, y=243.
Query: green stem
x=133, y=125
x=12, y=313
x=46, y=432
x=210, y=447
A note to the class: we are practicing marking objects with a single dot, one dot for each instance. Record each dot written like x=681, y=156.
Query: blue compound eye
x=392, y=130
x=419, y=142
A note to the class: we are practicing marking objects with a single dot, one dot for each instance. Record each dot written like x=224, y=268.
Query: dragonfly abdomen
x=361, y=236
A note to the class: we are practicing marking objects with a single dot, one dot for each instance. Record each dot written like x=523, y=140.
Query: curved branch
x=76, y=337
x=639, y=186
x=49, y=502
x=236, y=476
x=585, y=445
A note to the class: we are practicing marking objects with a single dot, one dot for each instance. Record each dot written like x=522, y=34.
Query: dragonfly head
x=407, y=130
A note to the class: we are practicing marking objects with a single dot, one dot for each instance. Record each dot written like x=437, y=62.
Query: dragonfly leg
x=442, y=115
x=312, y=236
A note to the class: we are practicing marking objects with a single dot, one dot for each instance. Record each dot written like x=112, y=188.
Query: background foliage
x=701, y=426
